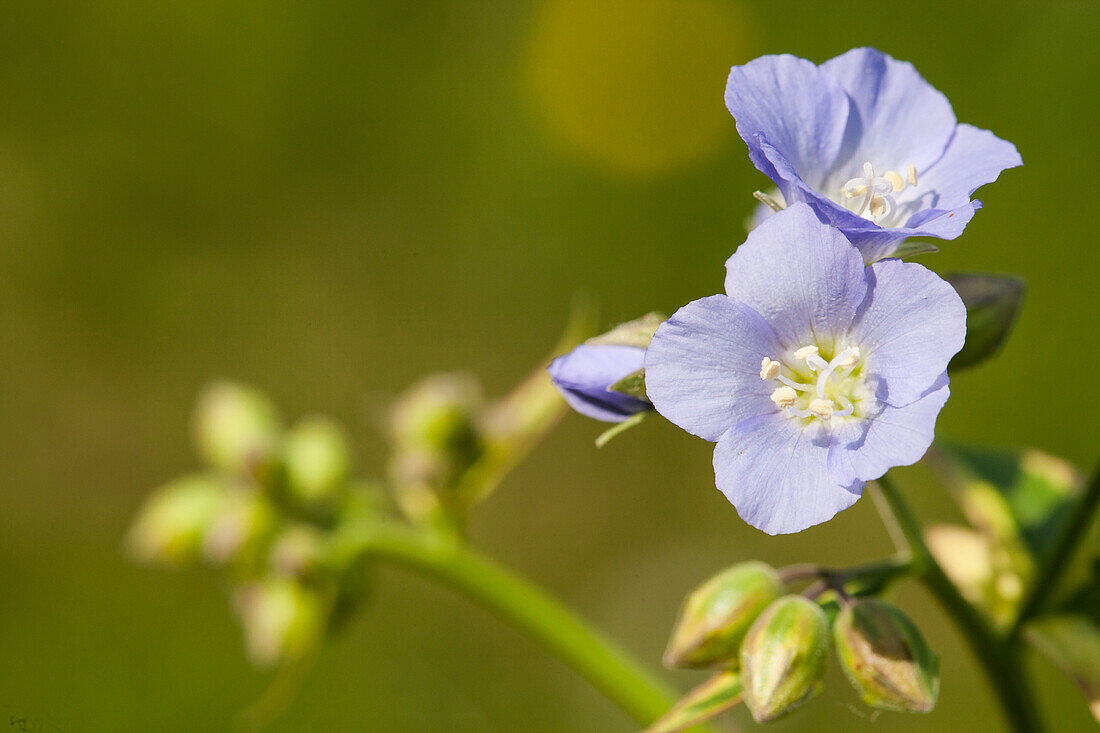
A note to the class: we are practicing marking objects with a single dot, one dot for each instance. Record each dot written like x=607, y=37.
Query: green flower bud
x=717, y=615
x=237, y=428
x=170, y=526
x=317, y=460
x=884, y=655
x=240, y=528
x=282, y=619
x=783, y=657
x=297, y=551
x=435, y=432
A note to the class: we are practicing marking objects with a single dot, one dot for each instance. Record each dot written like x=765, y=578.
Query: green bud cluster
x=744, y=622
x=262, y=511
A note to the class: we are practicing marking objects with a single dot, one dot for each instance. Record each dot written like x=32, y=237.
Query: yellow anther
x=853, y=192
x=769, y=369
x=911, y=174
x=895, y=179
x=851, y=357
x=784, y=397
x=820, y=408
x=805, y=351
x=878, y=206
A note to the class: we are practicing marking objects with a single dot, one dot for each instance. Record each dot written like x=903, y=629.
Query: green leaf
x=914, y=247
x=718, y=694
x=606, y=436
x=632, y=384
x=1072, y=643
x=992, y=304
x=638, y=332
x=1023, y=496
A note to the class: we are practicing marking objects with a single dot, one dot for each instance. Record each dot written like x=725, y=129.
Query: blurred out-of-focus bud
x=992, y=575
x=296, y=551
x=717, y=615
x=434, y=427
x=884, y=655
x=171, y=524
x=317, y=460
x=237, y=428
x=241, y=528
x=992, y=304
x=783, y=657
x=282, y=619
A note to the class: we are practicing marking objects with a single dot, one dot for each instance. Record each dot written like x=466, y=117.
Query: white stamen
x=911, y=174
x=821, y=408
x=792, y=384
x=799, y=413
x=848, y=358
x=816, y=363
x=805, y=351
x=784, y=397
x=769, y=369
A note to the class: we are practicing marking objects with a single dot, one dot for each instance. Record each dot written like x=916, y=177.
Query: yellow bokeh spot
x=636, y=86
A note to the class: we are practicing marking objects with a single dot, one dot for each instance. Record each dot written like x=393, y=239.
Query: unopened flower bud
x=783, y=657
x=170, y=526
x=884, y=655
x=296, y=551
x=717, y=615
x=282, y=619
x=317, y=460
x=240, y=528
x=435, y=431
x=237, y=428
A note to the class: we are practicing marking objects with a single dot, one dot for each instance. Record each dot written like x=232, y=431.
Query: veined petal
x=802, y=276
x=973, y=158
x=909, y=327
x=775, y=473
x=897, y=117
x=703, y=366
x=584, y=375
x=897, y=436
x=796, y=107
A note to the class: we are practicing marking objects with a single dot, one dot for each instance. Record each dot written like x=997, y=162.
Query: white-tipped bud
x=805, y=351
x=911, y=174
x=821, y=408
x=895, y=179
x=769, y=369
x=784, y=397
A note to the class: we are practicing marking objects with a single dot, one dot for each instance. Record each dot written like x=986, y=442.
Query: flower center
x=873, y=196
x=810, y=387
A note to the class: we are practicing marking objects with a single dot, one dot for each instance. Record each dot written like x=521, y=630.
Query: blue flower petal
x=908, y=329
x=973, y=158
x=703, y=366
x=775, y=473
x=897, y=436
x=802, y=276
x=796, y=107
x=897, y=118
x=584, y=375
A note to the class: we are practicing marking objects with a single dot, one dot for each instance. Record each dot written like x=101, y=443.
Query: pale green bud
x=237, y=428
x=317, y=459
x=435, y=430
x=717, y=615
x=240, y=528
x=170, y=525
x=296, y=551
x=282, y=619
x=884, y=655
x=783, y=657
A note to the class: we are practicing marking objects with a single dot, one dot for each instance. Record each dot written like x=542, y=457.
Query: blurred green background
x=329, y=199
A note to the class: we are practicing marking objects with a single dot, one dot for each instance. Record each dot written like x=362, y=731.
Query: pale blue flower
x=863, y=139
x=813, y=374
x=585, y=374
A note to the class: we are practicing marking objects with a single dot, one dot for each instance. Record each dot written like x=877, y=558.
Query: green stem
x=1000, y=659
x=1057, y=560
x=522, y=604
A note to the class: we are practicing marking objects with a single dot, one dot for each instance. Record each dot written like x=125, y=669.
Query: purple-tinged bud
x=783, y=657
x=717, y=615
x=282, y=619
x=240, y=529
x=237, y=429
x=171, y=524
x=885, y=657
